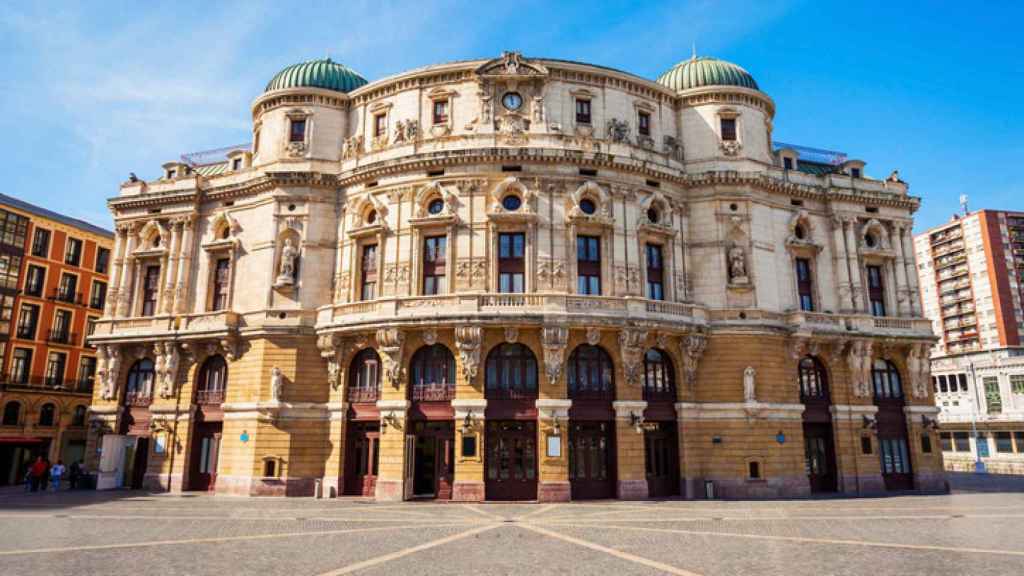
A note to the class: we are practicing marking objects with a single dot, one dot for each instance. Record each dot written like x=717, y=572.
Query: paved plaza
x=973, y=531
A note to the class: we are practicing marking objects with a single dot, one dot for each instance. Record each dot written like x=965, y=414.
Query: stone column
x=906, y=241
x=468, y=484
x=124, y=301
x=629, y=450
x=856, y=285
x=113, y=293
x=170, y=271
x=904, y=306
x=846, y=297
x=392, y=459
x=553, y=429
x=184, y=268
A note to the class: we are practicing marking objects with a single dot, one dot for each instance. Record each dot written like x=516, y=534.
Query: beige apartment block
x=515, y=279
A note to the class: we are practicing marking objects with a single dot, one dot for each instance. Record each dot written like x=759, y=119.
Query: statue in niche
x=749, y=391
x=738, y=266
x=286, y=271
x=276, y=384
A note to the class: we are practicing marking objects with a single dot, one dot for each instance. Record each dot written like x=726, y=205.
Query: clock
x=512, y=100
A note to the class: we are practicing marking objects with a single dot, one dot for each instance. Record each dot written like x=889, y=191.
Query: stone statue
x=738, y=266
x=286, y=273
x=749, y=391
x=276, y=384
x=618, y=130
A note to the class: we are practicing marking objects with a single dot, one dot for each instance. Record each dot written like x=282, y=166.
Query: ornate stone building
x=515, y=279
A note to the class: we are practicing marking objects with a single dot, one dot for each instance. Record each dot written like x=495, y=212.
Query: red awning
x=21, y=440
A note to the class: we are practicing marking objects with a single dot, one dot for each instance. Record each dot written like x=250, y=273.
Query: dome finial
x=694, y=53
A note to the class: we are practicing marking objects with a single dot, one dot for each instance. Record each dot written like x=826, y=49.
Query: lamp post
x=979, y=466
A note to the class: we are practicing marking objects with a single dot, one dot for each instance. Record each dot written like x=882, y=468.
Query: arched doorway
x=893, y=449
x=591, y=382
x=661, y=436
x=431, y=390
x=211, y=385
x=510, y=456
x=362, y=434
x=135, y=423
x=819, y=442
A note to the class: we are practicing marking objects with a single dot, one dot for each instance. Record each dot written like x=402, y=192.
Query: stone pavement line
x=407, y=551
x=924, y=547
x=494, y=517
x=536, y=512
x=211, y=540
x=668, y=568
x=605, y=521
x=429, y=521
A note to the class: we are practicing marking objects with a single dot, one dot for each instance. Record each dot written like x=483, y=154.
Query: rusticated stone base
x=862, y=485
x=389, y=491
x=468, y=492
x=777, y=487
x=251, y=486
x=553, y=492
x=632, y=490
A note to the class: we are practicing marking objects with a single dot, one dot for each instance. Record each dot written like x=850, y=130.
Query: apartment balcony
x=947, y=261
x=947, y=249
x=953, y=272
x=46, y=384
x=61, y=337
x=951, y=285
x=947, y=236
x=156, y=326
x=67, y=297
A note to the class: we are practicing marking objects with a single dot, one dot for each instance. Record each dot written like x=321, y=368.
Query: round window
x=653, y=215
x=371, y=216
x=799, y=232
x=587, y=206
x=511, y=202
x=156, y=241
x=869, y=240
x=435, y=206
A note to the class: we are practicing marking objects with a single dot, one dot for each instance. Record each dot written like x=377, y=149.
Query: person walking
x=74, y=472
x=37, y=472
x=56, y=473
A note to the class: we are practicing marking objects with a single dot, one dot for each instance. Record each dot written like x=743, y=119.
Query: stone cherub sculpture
x=286, y=271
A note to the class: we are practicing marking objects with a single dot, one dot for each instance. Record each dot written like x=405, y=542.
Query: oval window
x=869, y=240
x=653, y=215
x=371, y=216
x=587, y=206
x=511, y=202
x=799, y=232
x=435, y=206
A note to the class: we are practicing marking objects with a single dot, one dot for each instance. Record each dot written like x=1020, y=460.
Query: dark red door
x=205, y=454
x=661, y=454
x=361, y=461
x=511, y=460
x=592, y=460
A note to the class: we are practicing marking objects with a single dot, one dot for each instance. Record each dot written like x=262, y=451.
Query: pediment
x=512, y=65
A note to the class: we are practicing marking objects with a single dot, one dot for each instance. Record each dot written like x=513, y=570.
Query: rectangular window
x=1018, y=439
x=41, y=243
x=582, y=111
x=876, y=292
x=368, y=288
x=380, y=125
x=86, y=372
x=643, y=123
x=440, y=111
x=6, y=316
x=943, y=387
x=98, y=295
x=963, y=382
x=926, y=444
x=13, y=230
x=1004, y=443
x=865, y=444
x=855, y=172
x=804, y=284
x=67, y=290
x=434, y=260
x=894, y=456
x=55, y=364
x=150, y=290
x=946, y=441
x=21, y=365
x=588, y=265
x=73, y=252
x=27, y=321
x=10, y=268
x=34, y=278
x=1017, y=383
x=298, y=131
x=993, y=399
x=221, y=283
x=90, y=325
x=511, y=262
x=102, y=260
x=655, y=272
x=60, y=332
x=787, y=163
x=961, y=442
x=728, y=126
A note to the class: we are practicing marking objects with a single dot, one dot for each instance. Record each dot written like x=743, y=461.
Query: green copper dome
x=704, y=71
x=324, y=73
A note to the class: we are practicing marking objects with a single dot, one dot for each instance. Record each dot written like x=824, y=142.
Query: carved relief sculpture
x=693, y=346
x=390, y=342
x=554, y=340
x=618, y=131
x=467, y=342
x=631, y=346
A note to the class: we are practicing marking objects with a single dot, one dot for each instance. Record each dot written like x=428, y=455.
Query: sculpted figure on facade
x=286, y=270
x=390, y=343
x=693, y=346
x=276, y=384
x=749, y=384
x=618, y=130
x=631, y=347
x=919, y=368
x=168, y=361
x=738, y=266
x=554, y=339
x=467, y=341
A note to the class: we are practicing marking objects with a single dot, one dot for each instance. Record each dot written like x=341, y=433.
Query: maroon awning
x=21, y=440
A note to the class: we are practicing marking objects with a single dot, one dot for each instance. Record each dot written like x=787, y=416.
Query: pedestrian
x=56, y=473
x=37, y=471
x=73, y=473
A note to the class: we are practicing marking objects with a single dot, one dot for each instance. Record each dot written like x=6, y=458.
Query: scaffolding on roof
x=818, y=155
x=211, y=156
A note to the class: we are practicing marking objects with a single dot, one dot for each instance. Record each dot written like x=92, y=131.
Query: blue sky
x=92, y=92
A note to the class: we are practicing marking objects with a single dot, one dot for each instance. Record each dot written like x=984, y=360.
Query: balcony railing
x=138, y=399
x=81, y=386
x=210, y=396
x=510, y=394
x=61, y=337
x=67, y=296
x=433, y=392
x=360, y=394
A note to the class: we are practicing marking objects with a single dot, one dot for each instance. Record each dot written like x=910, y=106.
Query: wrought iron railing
x=215, y=396
x=137, y=399
x=61, y=337
x=510, y=394
x=14, y=382
x=361, y=394
x=427, y=392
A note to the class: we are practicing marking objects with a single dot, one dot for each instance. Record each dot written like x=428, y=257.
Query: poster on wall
x=160, y=445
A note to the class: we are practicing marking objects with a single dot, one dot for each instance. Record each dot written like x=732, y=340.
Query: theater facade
x=515, y=279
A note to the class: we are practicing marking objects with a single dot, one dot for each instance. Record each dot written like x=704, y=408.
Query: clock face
x=512, y=100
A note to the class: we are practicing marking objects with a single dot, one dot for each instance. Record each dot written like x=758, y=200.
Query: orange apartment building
x=53, y=287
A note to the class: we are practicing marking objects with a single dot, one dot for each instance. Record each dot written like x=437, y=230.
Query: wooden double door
x=362, y=456
x=893, y=447
x=510, y=459
x=431, y=447
x=661, y=457
x=205, y=455
x=820, y=457
x=592, y=460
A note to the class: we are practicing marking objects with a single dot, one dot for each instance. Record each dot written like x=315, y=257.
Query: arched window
x=813, y=380
x=46, y=414
x=213, y=378
x=140, y=382
x=364, y=377
x=433, y=374
x=78, y=419
x=659, y=377
x=590, y=374
x=12, y=413
x=886, y=379
x=511, y=372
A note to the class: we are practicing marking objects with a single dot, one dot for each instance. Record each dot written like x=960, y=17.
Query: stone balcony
x=134, y=328
x=860, y=323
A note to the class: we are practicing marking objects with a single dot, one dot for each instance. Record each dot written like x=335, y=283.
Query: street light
x=979, y=466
